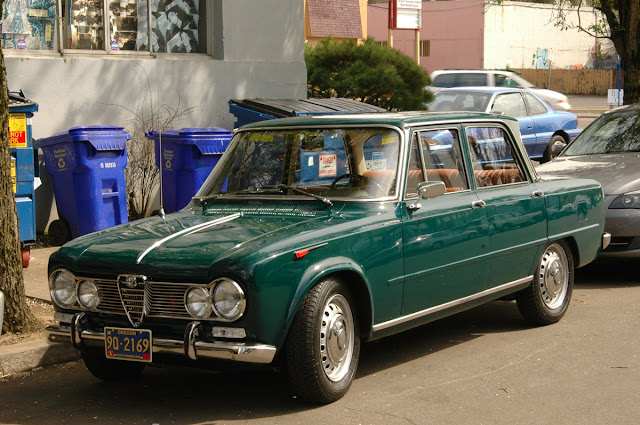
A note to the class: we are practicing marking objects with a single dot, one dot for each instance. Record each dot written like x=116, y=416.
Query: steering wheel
x=355, y=177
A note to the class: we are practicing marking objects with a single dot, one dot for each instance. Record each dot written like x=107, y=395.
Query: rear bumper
x=192, y=347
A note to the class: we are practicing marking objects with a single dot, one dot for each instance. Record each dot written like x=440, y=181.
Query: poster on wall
x=174, y=26
x=28, y=24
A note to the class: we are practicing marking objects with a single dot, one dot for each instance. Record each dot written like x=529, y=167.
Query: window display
x=174, y=26
x=106, y=26
x=85, y=28
x=123, y=23
x=28, y=24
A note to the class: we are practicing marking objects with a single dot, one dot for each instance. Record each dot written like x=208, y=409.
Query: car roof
x=483, y=89
x=478, y=71
x=396, y=119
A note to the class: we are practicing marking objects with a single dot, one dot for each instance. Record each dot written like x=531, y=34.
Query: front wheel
x=546, y=300
x=323, y=345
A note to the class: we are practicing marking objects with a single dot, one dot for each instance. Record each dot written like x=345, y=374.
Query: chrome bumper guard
x=606, y=240
x=192, y=347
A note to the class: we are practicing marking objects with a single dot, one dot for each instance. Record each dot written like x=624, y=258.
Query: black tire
x=548, y=153
x=109, y=369
x=323, y=344
x=547, y=299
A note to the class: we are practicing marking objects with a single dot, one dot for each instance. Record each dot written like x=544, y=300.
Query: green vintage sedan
x=315, y=234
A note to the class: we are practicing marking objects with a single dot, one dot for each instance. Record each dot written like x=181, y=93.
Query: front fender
x=317, y=271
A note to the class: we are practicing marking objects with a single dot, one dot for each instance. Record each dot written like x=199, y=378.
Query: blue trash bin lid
x=101, y=137
x=209, y=140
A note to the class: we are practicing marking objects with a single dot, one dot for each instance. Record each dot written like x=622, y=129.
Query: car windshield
x=457, y=101
x=326, y=164
x=611, y=133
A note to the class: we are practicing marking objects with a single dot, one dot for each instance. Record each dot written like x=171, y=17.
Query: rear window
x=460, y=79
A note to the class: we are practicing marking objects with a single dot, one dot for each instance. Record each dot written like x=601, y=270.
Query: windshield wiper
x=259, y=190
x=304, y=192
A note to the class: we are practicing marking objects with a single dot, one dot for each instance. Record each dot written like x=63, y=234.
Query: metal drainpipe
x=1, y=310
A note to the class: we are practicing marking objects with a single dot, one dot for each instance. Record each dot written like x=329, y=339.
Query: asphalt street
x=483, y=366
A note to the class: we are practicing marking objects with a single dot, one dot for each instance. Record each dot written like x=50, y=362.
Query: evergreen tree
x=368, y=72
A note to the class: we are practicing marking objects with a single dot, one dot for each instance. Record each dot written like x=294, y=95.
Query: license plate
x=128, y=344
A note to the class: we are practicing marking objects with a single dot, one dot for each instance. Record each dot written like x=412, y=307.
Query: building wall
x=257, y=51
x=466, y=34
x=524, y=35
x=454, y=29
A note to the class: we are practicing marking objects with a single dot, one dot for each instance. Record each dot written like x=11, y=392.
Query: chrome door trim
x=450, y=304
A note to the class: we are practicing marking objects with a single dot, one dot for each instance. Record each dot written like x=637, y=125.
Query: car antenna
x=161, y=212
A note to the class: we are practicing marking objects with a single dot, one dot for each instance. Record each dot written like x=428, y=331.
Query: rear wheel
x=556, y=144
x=110, y=370
x=59, y=232
x=26, y=257
x=546, y=300
x=323, y=345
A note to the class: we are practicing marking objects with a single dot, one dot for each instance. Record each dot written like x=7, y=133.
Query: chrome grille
x=163, y=299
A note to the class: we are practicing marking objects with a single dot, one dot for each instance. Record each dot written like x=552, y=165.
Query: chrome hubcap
x=336, y=338
x=554, y=276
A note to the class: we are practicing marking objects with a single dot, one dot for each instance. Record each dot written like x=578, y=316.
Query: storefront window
x=28, y=24
x=84, y=27
x=177, y=26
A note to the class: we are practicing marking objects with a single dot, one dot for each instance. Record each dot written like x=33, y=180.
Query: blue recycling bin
x=24, y=166
x=185, y=158
x=86, y=165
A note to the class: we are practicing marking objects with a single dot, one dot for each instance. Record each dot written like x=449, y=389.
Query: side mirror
x=427, y=190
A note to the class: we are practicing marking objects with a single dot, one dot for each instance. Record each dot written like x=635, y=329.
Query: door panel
x=446, y=238
x=515, y=210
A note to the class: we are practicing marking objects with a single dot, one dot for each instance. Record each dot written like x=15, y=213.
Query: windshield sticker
x=327, y=165
x=260, y=137
x=389, y=138
x=376, y=164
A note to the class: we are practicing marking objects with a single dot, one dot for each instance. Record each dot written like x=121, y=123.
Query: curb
x=21, y=357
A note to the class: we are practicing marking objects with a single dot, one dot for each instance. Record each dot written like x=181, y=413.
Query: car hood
x=617, y=173
x=182, y=245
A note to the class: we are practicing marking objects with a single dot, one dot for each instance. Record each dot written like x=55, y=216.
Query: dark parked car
x=543, y=130
x=313, y=234
x=608, y=151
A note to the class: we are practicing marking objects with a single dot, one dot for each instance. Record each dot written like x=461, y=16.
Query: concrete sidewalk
x=24, y=356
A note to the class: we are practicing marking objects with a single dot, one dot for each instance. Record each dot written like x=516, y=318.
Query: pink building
x=452, y=34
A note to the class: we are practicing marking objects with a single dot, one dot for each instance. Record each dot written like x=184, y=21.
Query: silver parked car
x=495, y=78
x=608, y=150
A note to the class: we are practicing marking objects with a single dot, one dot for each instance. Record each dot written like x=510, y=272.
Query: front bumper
x=192, y=347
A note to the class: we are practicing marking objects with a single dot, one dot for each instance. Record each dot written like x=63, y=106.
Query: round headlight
x=62, y=285
x=197, y=302
x=228, y=299
x=88, y=294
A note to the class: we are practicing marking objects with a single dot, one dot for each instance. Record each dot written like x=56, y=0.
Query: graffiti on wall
x=542, y=58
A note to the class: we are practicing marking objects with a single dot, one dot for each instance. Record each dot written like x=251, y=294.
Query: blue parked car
x=545, y=132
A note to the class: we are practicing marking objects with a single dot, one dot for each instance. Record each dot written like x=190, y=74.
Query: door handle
x=478, y=204
x=537, y=194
